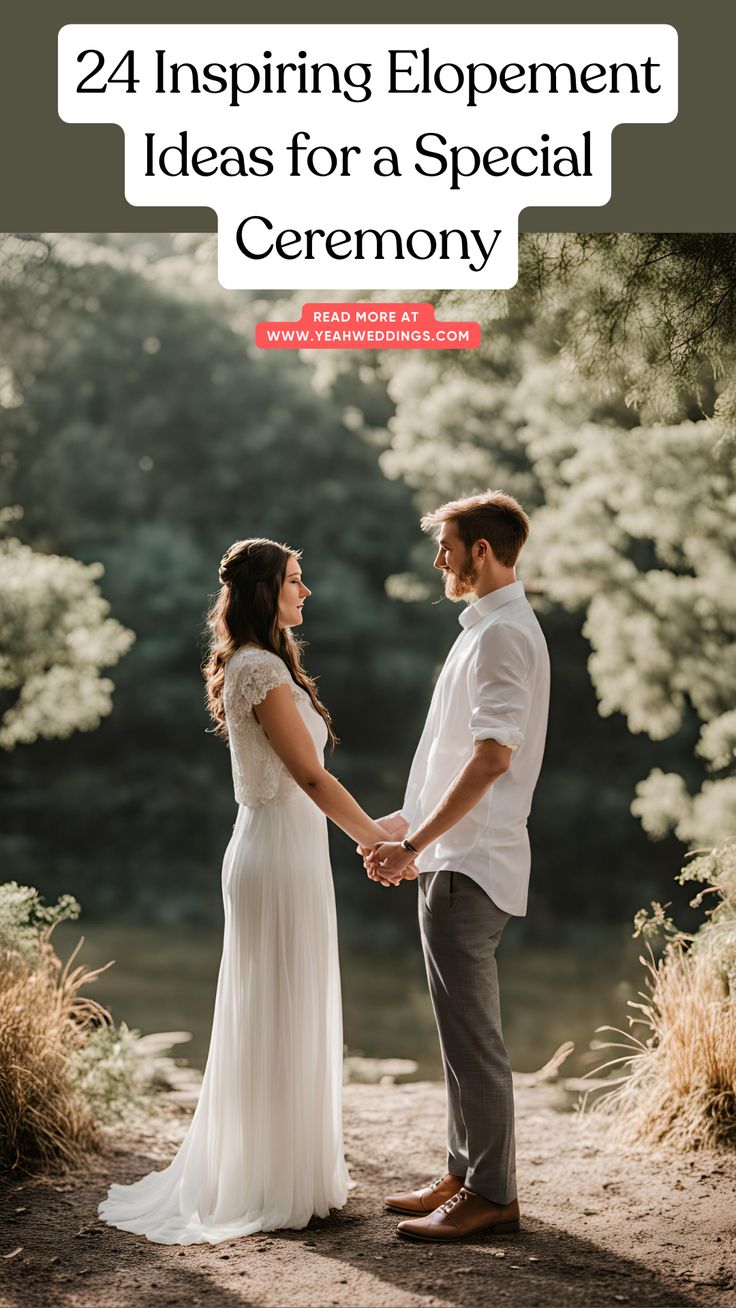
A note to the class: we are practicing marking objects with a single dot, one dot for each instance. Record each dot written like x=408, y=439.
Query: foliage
x=650, y=922
x=55, y=637
x=639, y=531
x=655, y=310
x=24, y=918
x=119, y=1076
x=679, y=1080
x=650, y=314
x=715, y=870
x=434, y=451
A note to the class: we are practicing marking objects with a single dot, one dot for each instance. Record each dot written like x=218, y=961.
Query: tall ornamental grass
x=66, y=1070
x=44, y=1021
x=678, y=1069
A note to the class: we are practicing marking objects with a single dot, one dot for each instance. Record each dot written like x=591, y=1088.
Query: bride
x=264, y=1149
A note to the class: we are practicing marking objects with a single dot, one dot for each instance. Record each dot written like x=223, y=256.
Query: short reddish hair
x=493, y=516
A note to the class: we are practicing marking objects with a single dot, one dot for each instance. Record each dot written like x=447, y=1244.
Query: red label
x=370, y=326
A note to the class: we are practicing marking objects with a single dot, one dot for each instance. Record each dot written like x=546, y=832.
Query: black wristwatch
x=407, y=845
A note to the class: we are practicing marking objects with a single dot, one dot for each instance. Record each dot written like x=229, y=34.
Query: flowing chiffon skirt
x=264, y=1149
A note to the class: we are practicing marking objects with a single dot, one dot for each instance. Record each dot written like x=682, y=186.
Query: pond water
x=164, y=979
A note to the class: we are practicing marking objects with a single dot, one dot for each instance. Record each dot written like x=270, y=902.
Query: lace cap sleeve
x=260, y=672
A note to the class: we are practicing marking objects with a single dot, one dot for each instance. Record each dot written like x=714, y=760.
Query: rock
x=375, y=1071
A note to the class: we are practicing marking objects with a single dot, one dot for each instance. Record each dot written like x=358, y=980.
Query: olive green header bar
x=666, y=177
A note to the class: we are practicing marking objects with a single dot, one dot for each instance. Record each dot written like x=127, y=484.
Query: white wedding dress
x=264, y=1149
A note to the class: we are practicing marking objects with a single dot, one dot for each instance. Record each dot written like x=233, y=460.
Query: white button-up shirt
x=494, y=686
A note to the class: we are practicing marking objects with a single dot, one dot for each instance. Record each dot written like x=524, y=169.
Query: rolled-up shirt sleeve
x=499, y=686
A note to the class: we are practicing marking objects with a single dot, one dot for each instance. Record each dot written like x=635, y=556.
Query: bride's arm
x=290, y=738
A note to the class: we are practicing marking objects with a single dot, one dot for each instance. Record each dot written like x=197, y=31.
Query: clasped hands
x=388, y=862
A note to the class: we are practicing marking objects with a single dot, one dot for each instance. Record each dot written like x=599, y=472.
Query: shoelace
x=456, y=1199
x=433, y=1184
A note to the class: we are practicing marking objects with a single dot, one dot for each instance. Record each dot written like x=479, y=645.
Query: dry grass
x=681, y=1084
x=66, y=1071
x=43, y=1021
x=679, y=1063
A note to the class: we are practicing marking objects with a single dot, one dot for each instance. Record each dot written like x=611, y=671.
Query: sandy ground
x=600, y=1227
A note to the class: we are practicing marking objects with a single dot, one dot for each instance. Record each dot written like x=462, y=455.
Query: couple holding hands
x=264, y=1150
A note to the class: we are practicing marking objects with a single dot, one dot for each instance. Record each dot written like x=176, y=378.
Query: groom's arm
x=500, y=699
x=397, y=823
x=489, y=761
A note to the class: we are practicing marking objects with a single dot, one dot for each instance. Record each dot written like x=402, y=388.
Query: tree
x=141, y=429
x=652, y=315
x=632, y=518
x=639, y=531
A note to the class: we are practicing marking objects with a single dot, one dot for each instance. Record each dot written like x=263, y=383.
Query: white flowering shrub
x=55, y=639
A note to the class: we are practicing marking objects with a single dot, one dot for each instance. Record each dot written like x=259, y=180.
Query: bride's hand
x=410, y=872
x=390, y=860
x=381, y=833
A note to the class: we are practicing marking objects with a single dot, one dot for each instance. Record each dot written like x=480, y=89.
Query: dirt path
x=601, y=1227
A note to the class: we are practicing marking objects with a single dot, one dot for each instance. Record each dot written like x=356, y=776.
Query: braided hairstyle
x=246, y=609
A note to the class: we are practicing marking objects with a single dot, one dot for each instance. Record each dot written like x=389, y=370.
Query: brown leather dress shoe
x=419, y=1202
x=463, y=1215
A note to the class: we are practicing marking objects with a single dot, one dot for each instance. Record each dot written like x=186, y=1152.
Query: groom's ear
x=482, y=549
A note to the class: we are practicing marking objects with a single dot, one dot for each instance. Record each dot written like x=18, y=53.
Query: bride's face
x=292, y=596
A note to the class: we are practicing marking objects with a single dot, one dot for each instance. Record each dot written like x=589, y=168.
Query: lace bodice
x=259, y=776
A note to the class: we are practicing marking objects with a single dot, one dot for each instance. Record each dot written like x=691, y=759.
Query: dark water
x=164, y=980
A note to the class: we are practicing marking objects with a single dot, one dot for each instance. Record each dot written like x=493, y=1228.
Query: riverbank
x=601, y=1226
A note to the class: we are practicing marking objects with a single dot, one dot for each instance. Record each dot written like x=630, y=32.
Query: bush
x=679, y=1081
x=65, y=1069
x=24, y=918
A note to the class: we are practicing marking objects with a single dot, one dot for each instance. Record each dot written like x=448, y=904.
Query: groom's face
x=455, y=561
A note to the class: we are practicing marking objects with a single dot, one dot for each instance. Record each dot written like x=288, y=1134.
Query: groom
x=464, y=822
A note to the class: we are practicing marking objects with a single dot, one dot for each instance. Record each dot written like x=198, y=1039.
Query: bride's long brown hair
x=246, y=608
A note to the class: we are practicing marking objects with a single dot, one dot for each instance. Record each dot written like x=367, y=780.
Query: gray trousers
x=461, y=927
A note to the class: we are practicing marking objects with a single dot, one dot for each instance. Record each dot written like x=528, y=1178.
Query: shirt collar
x=474, y=612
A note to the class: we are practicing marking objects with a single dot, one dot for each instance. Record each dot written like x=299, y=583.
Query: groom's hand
x=364, y=851
x=395, y=826
x=377, y=874
x=374, y=873
x=391, y=862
